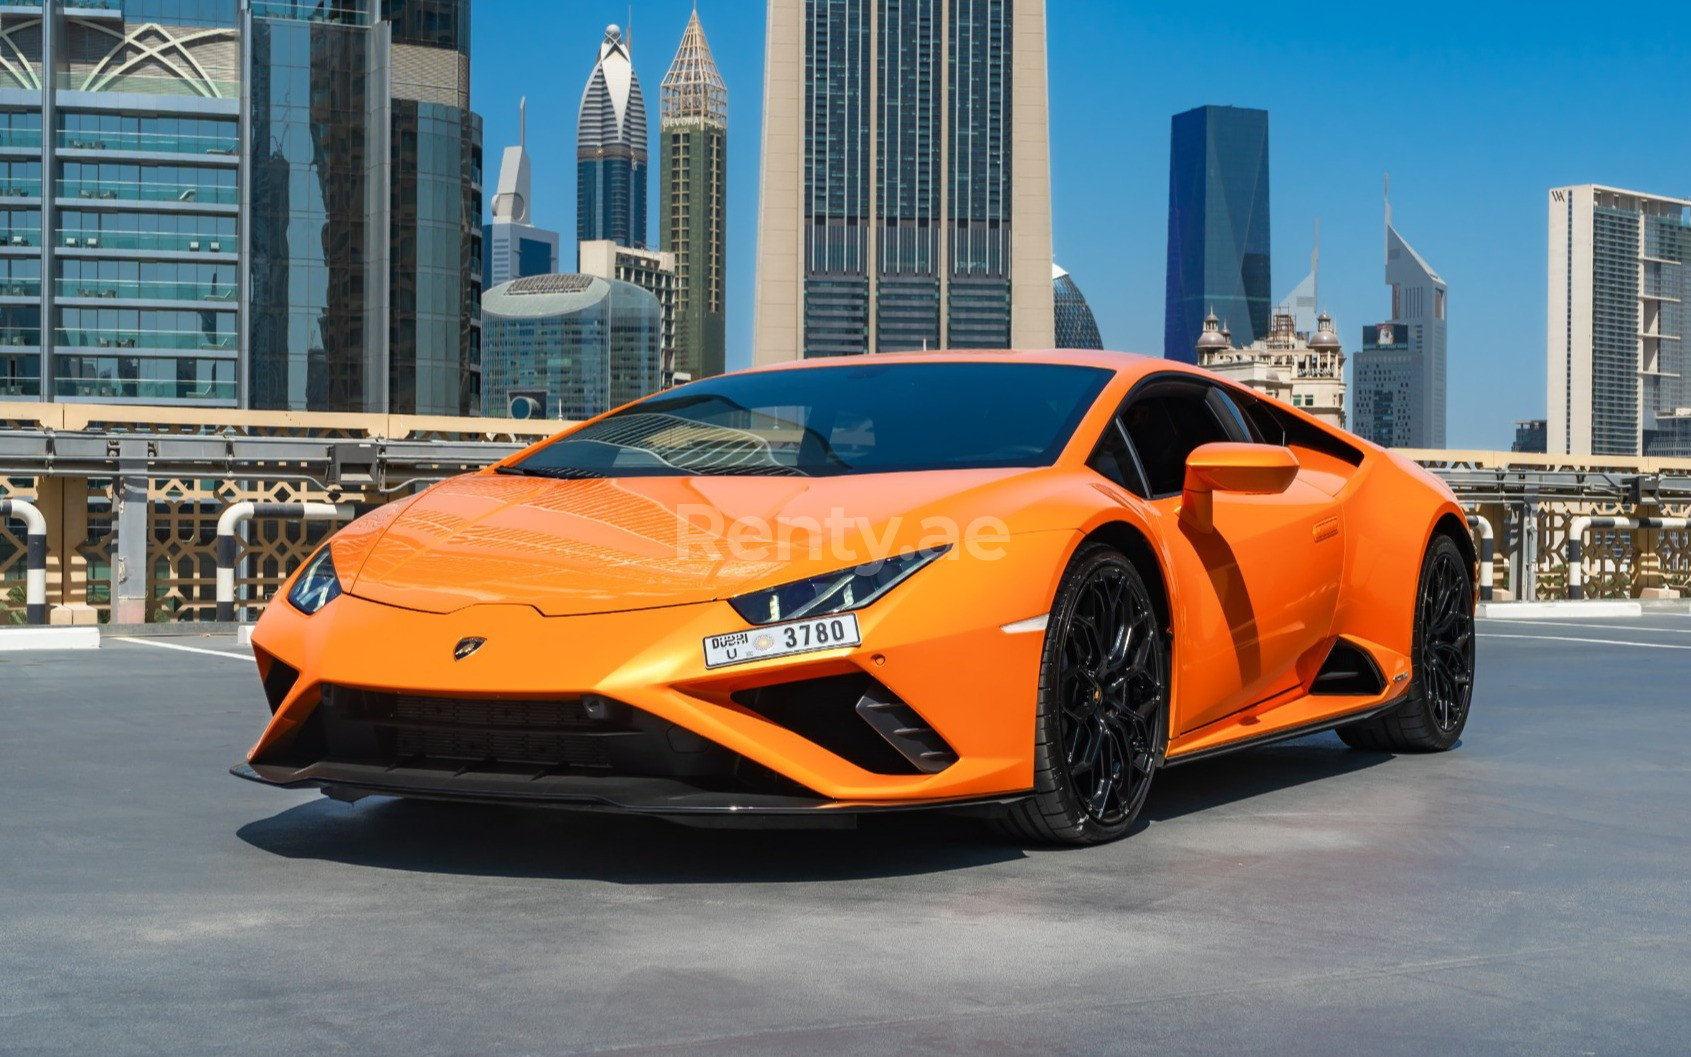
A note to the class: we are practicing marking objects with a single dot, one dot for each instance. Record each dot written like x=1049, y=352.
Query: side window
x=1165, y=425
x=1114, y=460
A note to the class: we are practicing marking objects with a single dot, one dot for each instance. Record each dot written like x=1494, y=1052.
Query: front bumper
x=936, y=644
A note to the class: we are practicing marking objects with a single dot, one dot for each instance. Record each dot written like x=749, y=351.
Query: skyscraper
x=693, y=208
x=1399, y=387
x=1619, y=368
x=610, y=150
x=1218, y=232
x=1076, y=326
x=906, y=178
x=1386, y=395
x=240, y=204
x=515, y=247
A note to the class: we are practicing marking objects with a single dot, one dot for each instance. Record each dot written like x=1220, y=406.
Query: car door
x=1259, y=590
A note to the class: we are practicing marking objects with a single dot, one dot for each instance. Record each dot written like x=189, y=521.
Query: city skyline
x=1330, y=147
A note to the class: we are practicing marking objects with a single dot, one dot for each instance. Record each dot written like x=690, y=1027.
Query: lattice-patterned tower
x=693, y=155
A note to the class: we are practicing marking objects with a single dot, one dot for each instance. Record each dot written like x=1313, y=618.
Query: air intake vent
x=856, y=718
x=1348, y=671
x=904, y=730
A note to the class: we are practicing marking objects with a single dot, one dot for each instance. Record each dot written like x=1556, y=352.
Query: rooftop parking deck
x=1527, y=893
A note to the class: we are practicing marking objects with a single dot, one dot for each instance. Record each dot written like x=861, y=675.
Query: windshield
x=826, y=421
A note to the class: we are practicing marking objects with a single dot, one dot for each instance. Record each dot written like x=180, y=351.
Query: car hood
x=571, y=547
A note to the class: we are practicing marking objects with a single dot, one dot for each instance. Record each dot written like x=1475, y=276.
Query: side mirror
x=1251, y=469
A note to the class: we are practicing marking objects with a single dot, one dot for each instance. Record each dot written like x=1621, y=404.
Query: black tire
x=1100, y=732
x=1435, y=709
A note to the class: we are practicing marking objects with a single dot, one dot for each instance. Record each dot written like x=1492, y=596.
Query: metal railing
x=133, y=506
x=132, y=499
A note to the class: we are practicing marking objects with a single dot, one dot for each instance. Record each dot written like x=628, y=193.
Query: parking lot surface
x=1527, y=893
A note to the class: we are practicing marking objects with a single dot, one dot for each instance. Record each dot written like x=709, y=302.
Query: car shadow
x=503, y=841
x=525, y=842
x=1240, y=776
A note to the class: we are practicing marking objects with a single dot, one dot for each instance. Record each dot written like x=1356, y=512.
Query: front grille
x=569, y=734
x=370, y=725
x=550, y=733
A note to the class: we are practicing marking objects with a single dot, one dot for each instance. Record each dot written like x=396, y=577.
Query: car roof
x=1125, y=363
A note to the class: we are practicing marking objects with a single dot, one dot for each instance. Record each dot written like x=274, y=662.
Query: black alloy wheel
x=1103, y=699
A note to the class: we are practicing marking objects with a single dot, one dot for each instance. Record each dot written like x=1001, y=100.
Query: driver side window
x=1165, y=425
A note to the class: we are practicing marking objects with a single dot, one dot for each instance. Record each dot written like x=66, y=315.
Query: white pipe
x=245, y=510
x=35, y=558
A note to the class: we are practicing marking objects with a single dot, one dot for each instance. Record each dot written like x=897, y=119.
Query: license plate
x=781, y=640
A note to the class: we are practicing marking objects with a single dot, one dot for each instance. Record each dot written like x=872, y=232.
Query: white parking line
x=230, y=654
x=1600, y=642
x=1600, y=627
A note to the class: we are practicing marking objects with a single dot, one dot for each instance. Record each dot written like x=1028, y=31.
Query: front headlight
x=317, y=585
x=837, y=592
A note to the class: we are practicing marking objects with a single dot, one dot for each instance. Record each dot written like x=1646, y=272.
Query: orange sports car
x=1015, y=580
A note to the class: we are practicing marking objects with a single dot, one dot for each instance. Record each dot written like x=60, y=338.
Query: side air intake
x=1348, y=671
x=856, y=718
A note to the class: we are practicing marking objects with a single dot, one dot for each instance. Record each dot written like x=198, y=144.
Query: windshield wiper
x=556, y=473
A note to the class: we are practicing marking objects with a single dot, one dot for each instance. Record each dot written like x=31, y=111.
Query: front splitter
x=669, y=798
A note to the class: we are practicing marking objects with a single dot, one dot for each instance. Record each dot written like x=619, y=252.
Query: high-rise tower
x=1218, y=248
x=515, y=247
x=906, y=191
x=693, y=209
x=610, y=149
x=1619, y=361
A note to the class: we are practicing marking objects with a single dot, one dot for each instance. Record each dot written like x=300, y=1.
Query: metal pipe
x=1579, y=526
x=1488, y=550
x=228, y=548
x=35, y=557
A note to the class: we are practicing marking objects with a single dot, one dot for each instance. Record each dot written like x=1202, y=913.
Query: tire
x=1100, y=731
x=1435, y=709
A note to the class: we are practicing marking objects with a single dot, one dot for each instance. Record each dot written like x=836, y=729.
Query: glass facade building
x=1076, y=326
x=238, y=203
x=918, y=202
x=568, y=346
x=611, y=149
x=1218, y=230
x=1385, y=385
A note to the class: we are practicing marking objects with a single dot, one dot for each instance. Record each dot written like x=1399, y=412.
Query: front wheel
x=1435, y=709
x=1103, y=698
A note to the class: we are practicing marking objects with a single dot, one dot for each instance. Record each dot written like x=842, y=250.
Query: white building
x=1308, y=374
x=515, y=247
x=1619, y=373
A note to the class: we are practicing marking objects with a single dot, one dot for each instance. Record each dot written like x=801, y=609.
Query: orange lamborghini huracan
x=1018, y=581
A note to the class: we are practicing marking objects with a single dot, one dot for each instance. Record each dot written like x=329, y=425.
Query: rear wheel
x=1435, y=710
x=1103, y=694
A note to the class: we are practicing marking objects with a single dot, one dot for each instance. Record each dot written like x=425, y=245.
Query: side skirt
x=1282, y=735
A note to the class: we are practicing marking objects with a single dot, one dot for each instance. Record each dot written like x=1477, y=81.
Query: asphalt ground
x=1528, y=893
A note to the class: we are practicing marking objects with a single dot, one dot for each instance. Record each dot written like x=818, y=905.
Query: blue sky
x=1476, y=110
